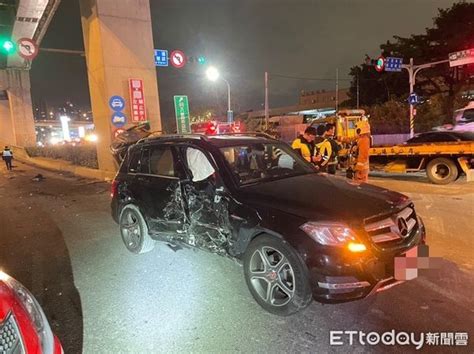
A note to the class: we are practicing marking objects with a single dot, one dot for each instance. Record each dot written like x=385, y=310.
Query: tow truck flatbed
x=442, y=161
x=427, y=149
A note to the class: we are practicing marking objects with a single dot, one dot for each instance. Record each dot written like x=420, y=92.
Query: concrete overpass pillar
x=118, y=43
x=17, y=126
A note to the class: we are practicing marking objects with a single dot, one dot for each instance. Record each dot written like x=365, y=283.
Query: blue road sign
x=161, y=57
x=413, y=99
x=393, y=64
x=119, y=119
x=117, y=103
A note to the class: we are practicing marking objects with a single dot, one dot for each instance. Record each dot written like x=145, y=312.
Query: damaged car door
x=160, y=183
x=206, y=203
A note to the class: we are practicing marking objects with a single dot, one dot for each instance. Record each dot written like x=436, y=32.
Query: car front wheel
x=276, y=276
x=134, y=230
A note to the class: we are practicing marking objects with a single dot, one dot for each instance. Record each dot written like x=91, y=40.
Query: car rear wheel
x=134, y=230
x=276, y=276
x=442, y=171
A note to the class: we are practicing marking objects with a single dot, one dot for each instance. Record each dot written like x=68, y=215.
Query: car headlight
x=36, y=314
x=333, y=234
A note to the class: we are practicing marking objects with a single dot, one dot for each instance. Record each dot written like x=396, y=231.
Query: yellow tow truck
x=444, y=155
x=345, y=122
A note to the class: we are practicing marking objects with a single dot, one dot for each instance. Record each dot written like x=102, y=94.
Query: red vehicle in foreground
x=23, y=324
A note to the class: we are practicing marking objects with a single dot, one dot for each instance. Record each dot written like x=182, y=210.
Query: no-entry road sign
x=27, y=48
x=178, y=59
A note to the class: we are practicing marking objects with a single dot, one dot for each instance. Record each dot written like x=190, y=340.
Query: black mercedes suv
x=299, y=234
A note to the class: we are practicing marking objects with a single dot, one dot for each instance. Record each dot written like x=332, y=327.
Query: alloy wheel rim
x=131, y=231
x=272, y=276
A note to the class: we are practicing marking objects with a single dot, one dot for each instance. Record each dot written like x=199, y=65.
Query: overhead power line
x=306, y=78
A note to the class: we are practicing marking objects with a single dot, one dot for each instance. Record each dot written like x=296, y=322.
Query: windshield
x=251, y=163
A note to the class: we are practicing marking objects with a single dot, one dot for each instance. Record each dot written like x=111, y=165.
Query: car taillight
x=114, y=188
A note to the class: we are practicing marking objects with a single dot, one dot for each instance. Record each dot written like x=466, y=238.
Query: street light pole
x=213, y=74
x=337, y=89
x=230, y=114
x=357, y=90
x=266, y=100
x=412, y=71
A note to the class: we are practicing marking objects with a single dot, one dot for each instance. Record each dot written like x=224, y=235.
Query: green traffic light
x=7, y=47
x=202, y=60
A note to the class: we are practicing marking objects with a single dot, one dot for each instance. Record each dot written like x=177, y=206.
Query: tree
x=452, y=31
x=388, y=117
x=202, y=114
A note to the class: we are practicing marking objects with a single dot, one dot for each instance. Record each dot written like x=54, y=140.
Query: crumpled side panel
x=207, y=224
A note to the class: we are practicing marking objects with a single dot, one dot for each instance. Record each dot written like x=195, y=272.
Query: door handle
x=142, y=179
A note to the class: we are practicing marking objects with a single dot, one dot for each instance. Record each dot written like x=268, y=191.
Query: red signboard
x=137, y=100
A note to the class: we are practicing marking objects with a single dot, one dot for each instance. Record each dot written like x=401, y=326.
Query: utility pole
x=357, y=90
x=412, y=71
x=337, y=89
x=266, y=101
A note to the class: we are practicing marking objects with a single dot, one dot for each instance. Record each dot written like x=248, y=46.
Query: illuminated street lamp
x=65, y=127
x=213, y=74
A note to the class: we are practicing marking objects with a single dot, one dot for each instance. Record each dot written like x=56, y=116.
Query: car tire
x=442, y=171
x=276, y=276
x=134, y=230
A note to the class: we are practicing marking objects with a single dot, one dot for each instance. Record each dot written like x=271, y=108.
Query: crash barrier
x=84, y=155
x=20, y=154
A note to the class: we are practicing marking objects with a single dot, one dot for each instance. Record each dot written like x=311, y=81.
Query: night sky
x=243, y=38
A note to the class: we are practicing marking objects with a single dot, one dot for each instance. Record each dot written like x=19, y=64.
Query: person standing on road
x=322, y=148
x=304, y=144
x=361, y=167
x=7, y=156
x=329, y=135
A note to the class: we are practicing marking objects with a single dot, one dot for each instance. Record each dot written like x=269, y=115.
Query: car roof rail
x=256, y=134
x=158, y=135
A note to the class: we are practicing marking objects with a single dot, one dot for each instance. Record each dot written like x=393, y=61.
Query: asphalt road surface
x=57, y=238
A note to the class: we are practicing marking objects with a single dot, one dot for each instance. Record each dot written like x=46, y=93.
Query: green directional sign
x=181, y=108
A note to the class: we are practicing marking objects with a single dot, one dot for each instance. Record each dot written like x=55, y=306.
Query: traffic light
x=380, y=64
x=200, y=60
x=7, y=46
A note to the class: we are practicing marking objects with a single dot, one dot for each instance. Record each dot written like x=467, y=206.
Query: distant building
x=68, y=109
x=323, y=98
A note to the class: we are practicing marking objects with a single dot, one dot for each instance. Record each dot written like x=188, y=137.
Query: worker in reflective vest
x=304, y=144
x=7, y=156
x=361, y=167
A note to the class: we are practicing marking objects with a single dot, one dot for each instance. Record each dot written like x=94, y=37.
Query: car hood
x=322, y=197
